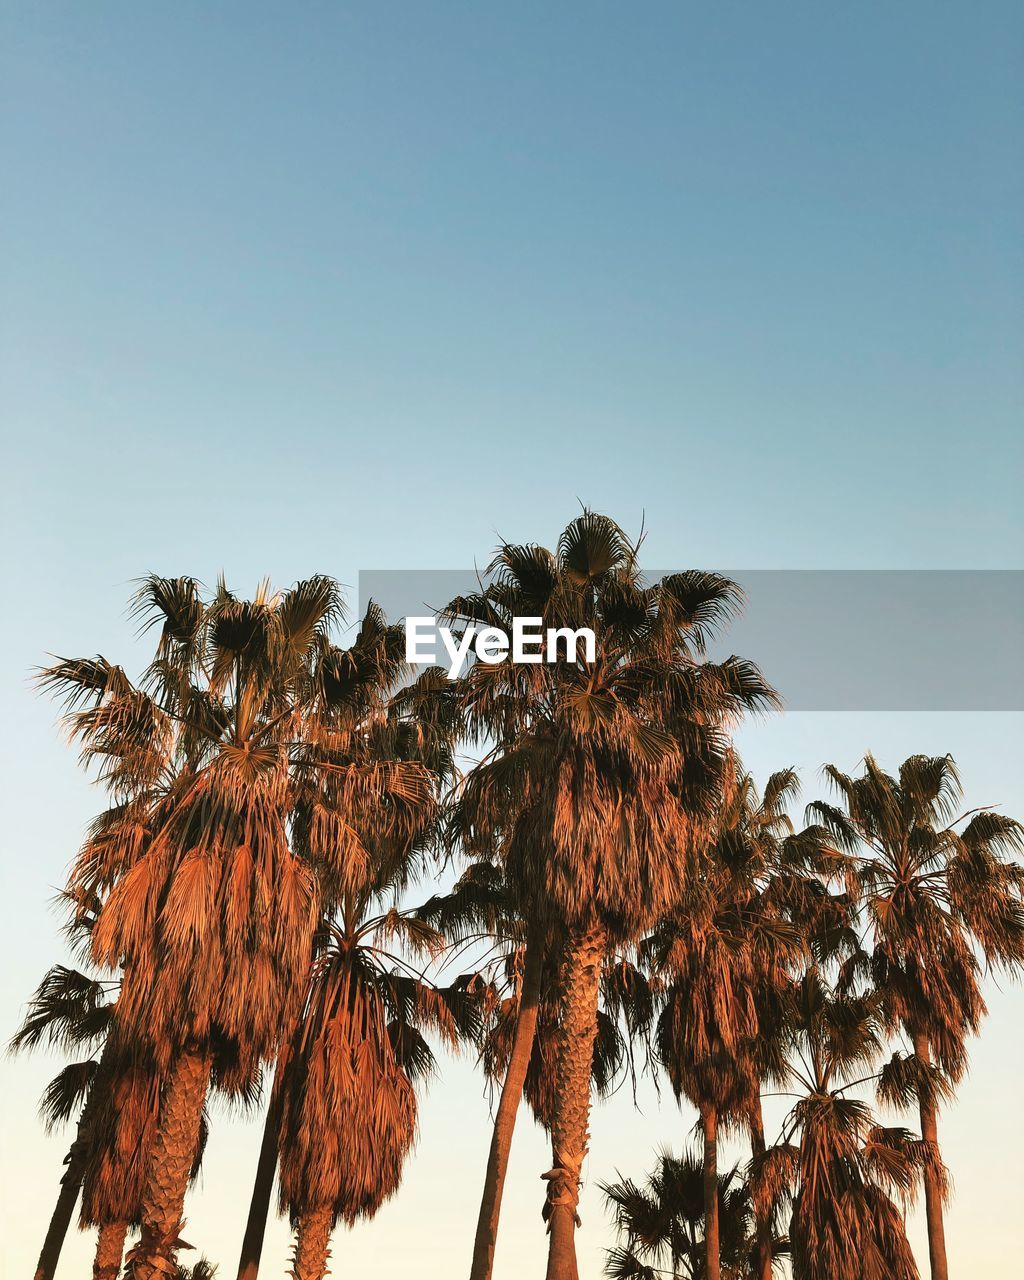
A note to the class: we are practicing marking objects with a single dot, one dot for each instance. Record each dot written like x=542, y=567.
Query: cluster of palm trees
x=628, y=896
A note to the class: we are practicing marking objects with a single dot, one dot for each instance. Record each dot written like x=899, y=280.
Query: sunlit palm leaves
x=941, y=901
x=722, y=960
x=630, y=899
x=347, y=1078
x=602, y=775
x=660, y=1223
x=203, y=880
x=844, y=1172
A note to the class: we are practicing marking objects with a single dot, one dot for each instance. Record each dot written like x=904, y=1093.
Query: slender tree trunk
x=76, y=1161
x=170, y=1164
x=762, y=1220
x=934, y=1190
x=580, y=981
x=712, y=1248
x=508, y=1107
x=312, y=1240
x=263, y=1186
x=67, y=1197
x=109, y=1250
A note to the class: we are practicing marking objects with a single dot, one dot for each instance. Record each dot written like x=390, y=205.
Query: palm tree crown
x=940, y=900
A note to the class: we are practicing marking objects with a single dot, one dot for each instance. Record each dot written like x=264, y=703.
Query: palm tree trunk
x=933, y=1181
x=67, y=1197
x=508, y=1107
x=577, y=1030
x=109, y=1250
x=312, y=1240
x=762, y=1220
x=76, y=1160
x=170, y=1164
x=712, y=1248
x=263, y=1186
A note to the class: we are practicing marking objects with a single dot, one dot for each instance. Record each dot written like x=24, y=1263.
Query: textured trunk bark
x=762, y=1221
x=312, y=1238
x=713, y=1265
x=933, y=1189
x=580, y=988
x=170, y=1163
x=259, y=1205
x=60, y=1220
x=109, y=1250
x=508, y=1107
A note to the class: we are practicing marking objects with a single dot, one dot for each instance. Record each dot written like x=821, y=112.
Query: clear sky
x=332, y=287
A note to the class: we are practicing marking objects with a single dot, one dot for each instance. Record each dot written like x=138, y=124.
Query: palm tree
x=67, y=1010
x=127, y=1114
x=937, y=894
x=370, y=721
x=347, y=1079
x=485, y=906
x=126, y=1119
x=534, y=1038
x=844, y=1170
x=516, y=1066
x=793, y=871
x=117, y=1097
x=661, y=1223
x=518, y=988
x=719, y=1077
x=206, y=760
x=603, y=770
x=491, y=903
x=344, y=1104
x=719, y=957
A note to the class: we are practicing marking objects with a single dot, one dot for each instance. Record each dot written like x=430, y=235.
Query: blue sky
x=334, y=287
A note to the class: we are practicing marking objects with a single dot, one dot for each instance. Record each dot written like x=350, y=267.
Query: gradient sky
x=308, y=287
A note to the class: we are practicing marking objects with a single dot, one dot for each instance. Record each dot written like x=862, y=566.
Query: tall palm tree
x=347, y=1070
x=938, y=894
x=127, y=1114
x=517, y=981
x=661, y=1223
x=371, y=720
x=199, y=897
x=504, y=1038
x=126, y=1120
x=347, y=1079
x=718, y=956
x=844, y=1173
x=793, y=872
x=485, y=906
x=67, y=1010
x=491, y=902
x=605, y=768
x=719, y=1077
x=117, y=1097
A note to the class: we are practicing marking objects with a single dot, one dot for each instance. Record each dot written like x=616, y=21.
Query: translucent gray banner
x=836, y=640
